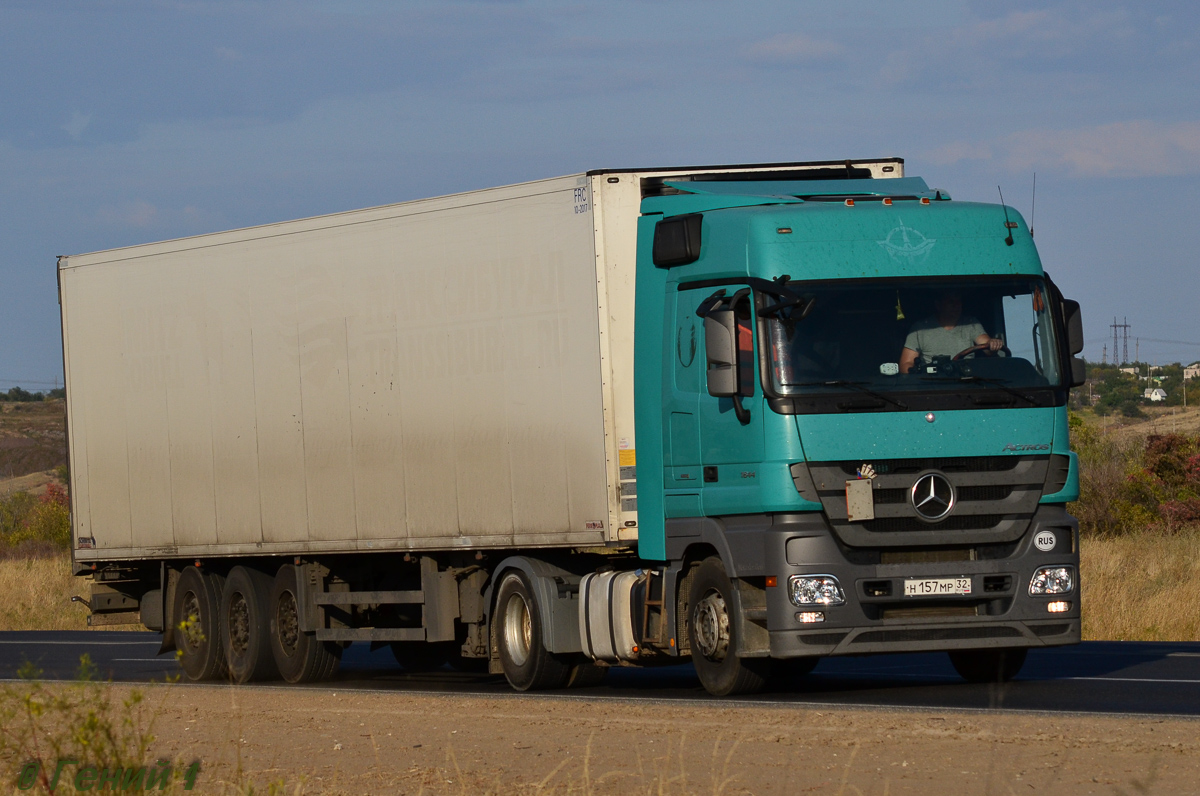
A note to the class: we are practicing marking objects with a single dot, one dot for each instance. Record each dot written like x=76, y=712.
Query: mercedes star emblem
x=932, y=496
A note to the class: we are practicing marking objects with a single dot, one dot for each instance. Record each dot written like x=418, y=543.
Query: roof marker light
x=849, y=203
x=887, y=201
x=784, y=230
x=924, y=200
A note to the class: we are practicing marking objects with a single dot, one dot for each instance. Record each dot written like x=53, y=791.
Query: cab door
x=731, y=441
x=682, y=385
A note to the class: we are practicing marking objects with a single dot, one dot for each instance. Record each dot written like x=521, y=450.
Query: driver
x=946, y=334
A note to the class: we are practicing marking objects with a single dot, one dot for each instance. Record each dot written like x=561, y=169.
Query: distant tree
x=60, y=392
x=18, y=395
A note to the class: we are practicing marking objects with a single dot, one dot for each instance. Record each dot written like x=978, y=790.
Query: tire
x=527, y=664
x=246, y=625
x=586, y=674
x=299, y=656
x=712, y=633
x=197, y=618
x=988, y=666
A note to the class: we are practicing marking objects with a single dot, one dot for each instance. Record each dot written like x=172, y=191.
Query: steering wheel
x=984, y=348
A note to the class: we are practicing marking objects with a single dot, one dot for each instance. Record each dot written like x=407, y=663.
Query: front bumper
x=877, y=616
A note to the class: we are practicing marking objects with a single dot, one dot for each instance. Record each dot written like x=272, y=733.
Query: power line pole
x=1124, y=339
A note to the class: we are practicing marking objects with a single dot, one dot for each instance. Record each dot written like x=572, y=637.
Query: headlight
x=1052, y=580
x=815, y=590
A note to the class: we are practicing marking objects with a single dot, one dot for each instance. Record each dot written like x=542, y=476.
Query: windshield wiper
x=856, y=385
x=998, y=383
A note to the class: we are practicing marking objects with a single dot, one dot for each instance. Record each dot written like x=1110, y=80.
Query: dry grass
x=37, y=595
x=1165, y=603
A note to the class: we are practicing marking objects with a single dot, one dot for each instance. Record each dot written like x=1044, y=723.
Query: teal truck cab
x=851, y=405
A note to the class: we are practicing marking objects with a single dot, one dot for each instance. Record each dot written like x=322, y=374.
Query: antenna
x=1008, y=225
x=1033, y=208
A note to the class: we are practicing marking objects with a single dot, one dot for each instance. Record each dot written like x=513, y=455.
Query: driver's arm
x=992, y=343
x=908, y=358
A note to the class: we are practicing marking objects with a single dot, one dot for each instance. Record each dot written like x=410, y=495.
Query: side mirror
x=1074, y=322
x=720, y=346
x=1078, y=372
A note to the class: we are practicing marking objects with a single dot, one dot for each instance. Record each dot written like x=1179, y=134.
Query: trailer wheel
x=713, y=635
x=527, y=664
x=246, y=625
x=988, y=666
x=301, y=658
x=198, y=624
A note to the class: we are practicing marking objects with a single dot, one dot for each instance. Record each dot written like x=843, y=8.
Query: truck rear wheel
x=712, y=633
x=198, y=630
x=246, y=625
x=527, y=664
x=988, y=666
x=301, y=658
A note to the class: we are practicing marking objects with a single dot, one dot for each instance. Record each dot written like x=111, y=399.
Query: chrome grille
x=996, y=497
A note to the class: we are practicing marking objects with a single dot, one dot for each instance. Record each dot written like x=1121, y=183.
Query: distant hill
x=33, y=437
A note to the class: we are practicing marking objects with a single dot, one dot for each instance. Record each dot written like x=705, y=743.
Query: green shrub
x=1128, y=486
x=25, y=518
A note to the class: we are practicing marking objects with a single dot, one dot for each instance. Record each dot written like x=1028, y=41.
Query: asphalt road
x=1094, y=677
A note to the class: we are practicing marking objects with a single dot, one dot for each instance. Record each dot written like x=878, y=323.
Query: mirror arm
x=742, y=413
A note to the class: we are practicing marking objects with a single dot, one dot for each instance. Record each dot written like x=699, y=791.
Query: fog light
x=815, y=590
x=1052, y=580
x=808, y=617
x=1058, y=607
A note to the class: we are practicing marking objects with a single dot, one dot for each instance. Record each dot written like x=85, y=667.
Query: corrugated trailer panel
x=418, y=376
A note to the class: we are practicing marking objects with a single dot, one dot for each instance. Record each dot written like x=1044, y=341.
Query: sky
x=128, y=121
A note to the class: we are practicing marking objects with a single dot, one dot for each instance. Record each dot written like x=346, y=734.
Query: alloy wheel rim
x=518, y=629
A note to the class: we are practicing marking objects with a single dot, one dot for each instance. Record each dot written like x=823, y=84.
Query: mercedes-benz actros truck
x=753, y=416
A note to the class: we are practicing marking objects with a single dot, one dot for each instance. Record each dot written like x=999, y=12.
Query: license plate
x=932, y=587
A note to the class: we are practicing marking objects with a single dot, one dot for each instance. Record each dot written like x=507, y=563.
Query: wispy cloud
x=129, y=214
x=79, y=122
x=1120, y=149
x=793, y=48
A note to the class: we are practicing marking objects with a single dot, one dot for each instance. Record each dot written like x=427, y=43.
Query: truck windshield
x=885, y=338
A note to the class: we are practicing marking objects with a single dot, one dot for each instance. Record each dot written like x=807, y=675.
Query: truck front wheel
x=246, y=631
x=527, y=664
x=301, y=658
x=712, y=633
x=198, y=624
x=988, y=666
